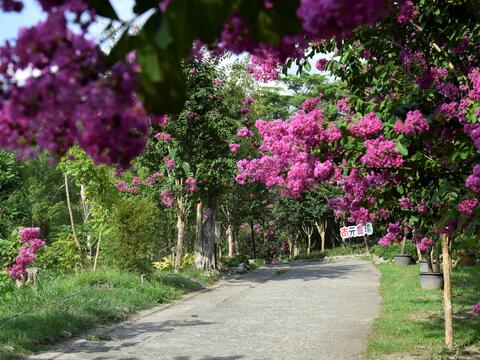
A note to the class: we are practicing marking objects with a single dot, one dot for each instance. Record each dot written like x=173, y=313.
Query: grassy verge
x=412, y=319
x=32, y=319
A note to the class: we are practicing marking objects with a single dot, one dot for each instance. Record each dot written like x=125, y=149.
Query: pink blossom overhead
x=169, y=163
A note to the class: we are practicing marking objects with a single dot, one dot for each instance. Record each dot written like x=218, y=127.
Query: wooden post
x=447, y=291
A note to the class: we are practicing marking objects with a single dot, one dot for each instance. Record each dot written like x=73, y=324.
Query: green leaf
x=402, y=149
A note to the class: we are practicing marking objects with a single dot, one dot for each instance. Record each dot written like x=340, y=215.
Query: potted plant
x=432, y=278
x=467, y=257
x=402, y=258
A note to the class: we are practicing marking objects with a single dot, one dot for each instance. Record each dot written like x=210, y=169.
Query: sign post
x=359, y=230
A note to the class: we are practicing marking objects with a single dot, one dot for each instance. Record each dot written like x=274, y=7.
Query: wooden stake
x=447, y=292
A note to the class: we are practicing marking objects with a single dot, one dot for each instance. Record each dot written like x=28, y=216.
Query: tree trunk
x=404, y=243
x=253, y=239
x=365, y=241
x=447, y=291
x=180, y=240
x=321, y=228
x=85, y=215
x=72, y=222
x=97, y=252
x=231, y=240
x=209, y=238
x=199, y=246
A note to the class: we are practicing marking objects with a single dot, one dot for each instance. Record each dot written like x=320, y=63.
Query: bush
x=133, y=239
x=61, y=256
x=388, y=252
x=167, y=263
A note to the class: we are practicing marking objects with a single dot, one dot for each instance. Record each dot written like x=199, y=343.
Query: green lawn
x=412, y=322
x=31, y=320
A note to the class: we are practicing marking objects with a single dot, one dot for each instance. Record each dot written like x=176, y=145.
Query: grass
x=337, y=251
x=412, y=319
x=33, y=319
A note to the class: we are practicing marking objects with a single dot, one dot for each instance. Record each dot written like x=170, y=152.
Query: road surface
x=309, y=310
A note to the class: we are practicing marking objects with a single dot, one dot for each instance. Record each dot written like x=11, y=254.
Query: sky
x=10, y=23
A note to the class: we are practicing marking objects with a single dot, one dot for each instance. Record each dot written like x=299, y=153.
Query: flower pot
x=431, y=281
x=466, y=259
x=423, y=265
x=403, y=259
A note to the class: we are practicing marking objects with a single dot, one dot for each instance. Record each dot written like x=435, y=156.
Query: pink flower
x=207, y=212
x=415, y=123
x=169, y=163
x=467, y=206
x=475, y=311
x=244, y=132
x=166, y=197
x=321, y=64
x=405, y=203
x=137, y=181
x=369, y=125
x=407, y=12
x=381, y=153
x=163, y=136
x=122, y=186
x=234, y=148
x=133, y=190
x=191, y=184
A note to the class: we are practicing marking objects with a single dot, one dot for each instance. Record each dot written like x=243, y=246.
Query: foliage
x=61, y=256
x=167, y=263
x=132, y=243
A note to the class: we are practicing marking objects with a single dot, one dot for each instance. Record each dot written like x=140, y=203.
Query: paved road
x=306, y=311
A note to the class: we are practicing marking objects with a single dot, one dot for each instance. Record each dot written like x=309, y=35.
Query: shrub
x=133, y=238
x=167, y=263
x=61, y=256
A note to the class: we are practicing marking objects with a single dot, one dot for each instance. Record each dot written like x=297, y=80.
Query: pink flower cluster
x=151, y=179
x=394, y=234
x=166, y=198
x=264, y=68
x=415, y=123
x=407, y=12
x=234, y=148
x=247, y=103
x=467, y=206
x=163, y=136
x=26, y=255
x=191, y=184
x=381, y=153
x=244, y=132
x=405, y=203
x=285, y=153
x=369, y=125
x=321, y=64
x=475, y=311
x=422, y=242
x=169, y=163
x=473, y=180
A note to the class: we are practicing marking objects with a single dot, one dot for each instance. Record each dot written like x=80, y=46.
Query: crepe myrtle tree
x=196, y=143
